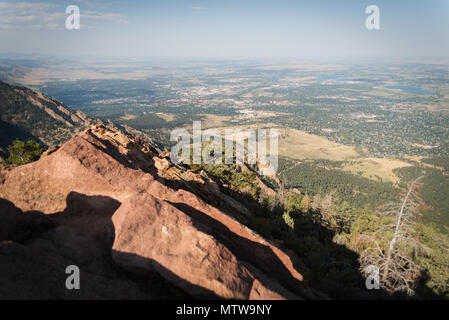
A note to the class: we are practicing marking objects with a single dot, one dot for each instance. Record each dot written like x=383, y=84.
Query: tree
x=306, y=203
x=327, y=205
x=288, y=220
x=294, y=202
x=21, y=152
x=316, y=203
x=395, y=246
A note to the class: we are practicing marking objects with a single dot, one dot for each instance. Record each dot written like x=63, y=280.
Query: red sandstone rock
x=104, y=186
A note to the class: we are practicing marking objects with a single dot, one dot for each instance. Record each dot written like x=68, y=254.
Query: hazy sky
x=227, y=28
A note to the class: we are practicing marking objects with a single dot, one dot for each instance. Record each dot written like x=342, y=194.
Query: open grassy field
x=128, y=117
x=214, y=121
x=375, y=168
x=166, y=116
x=300, y=145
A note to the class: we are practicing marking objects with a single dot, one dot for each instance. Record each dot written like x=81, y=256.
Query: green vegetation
x=21, y=152
x=147, y=121
x=330, y=236
x=153, y=121
x=434, y=192
x=24, y=115
x=338, y=216
x=439, y=161
x=311, y=178
x=241, y=182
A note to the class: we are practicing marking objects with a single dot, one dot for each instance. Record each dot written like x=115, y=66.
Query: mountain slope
x=115, y=201
x=27, y=114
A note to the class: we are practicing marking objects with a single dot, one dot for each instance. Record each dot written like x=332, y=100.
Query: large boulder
x=107, y=187
x=153, y=234
x=34, y=255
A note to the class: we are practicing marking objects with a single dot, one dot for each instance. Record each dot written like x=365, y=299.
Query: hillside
x=135, y=225
x=27, y=114
x=109, y=201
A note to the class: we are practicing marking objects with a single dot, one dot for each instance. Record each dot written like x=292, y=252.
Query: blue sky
x=227, y=28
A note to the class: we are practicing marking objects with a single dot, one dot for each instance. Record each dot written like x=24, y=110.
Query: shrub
x=21, y=152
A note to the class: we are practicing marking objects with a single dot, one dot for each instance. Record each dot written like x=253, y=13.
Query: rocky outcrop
x=34, y=255
x=115, y=207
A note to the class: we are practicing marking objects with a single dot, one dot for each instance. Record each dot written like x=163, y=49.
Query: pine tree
x=23, y=152
x=395, y=245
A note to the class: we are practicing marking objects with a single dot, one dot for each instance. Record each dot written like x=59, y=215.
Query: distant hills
x=109, y=200
x=177, y=223
x=27, y=114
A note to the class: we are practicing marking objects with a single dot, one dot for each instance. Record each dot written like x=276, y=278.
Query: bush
x=21, y=152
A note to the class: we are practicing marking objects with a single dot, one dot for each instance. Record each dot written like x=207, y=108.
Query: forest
x=312, y=178
x=333, y=236
x=434, y=191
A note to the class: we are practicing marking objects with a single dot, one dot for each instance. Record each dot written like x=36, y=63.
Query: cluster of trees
x=439, y=161
x=27, y=119
x=23, y=152
x=312, y=178
x=434, y=190
x=334, y=240
x=152, y=121
x=241, y=183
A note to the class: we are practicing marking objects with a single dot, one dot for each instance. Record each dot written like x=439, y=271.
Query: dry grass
x=213, y=121
x=166, y=116
x=128, y=117
x=300, y=145
x=372, y=167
